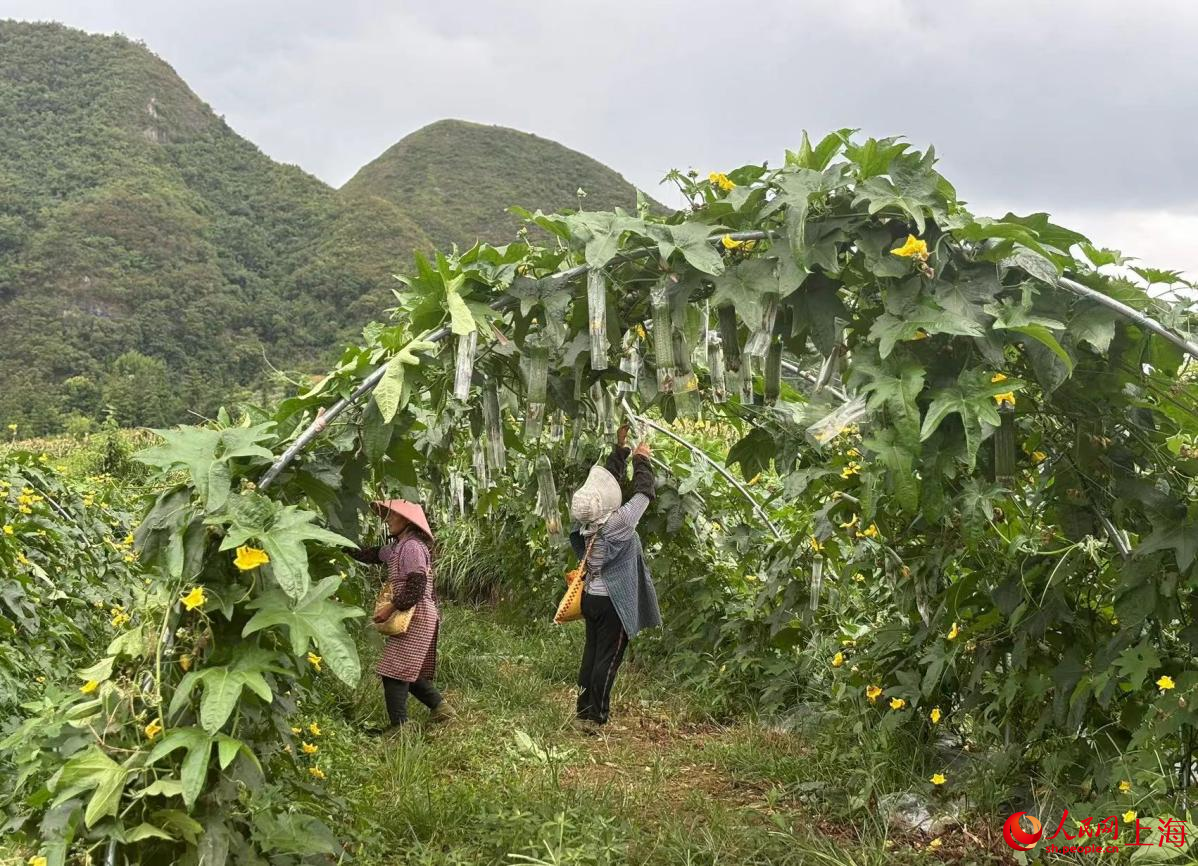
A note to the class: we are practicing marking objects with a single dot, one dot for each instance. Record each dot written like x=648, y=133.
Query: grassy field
x=509, y=781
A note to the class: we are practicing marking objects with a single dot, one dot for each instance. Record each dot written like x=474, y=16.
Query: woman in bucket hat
x=409, y=660
x=619, y=598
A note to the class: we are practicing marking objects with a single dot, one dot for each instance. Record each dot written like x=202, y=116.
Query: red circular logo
x=1017, y=837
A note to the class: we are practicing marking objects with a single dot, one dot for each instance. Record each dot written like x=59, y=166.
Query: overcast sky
x=1087, y=109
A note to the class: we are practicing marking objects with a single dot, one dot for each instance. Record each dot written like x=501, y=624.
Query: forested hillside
x=458, y=180
x=151, y=259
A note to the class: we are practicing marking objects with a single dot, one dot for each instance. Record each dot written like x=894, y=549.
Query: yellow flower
x=897, y=703
x=314, y=660
x=850, y=524
x=730, y=243
x=185, y=662
x=640, y=331
x=870, y=531
x=296, y=730
x=935, y=715
x=8, y=530
x=22, y=559
x=718, y=178
x=128, y=542
x=913, y=248
x=39, y=860
x=88, y=687
x=1165, y=683
x=1129, y=816
x=13, y=428
x=129, y=557
x=119, y=616
x=838, y=660
x=997, y=377
x=953, y=632
x=938, y=779
x=873, y=693
x=40, y=679
x=815, y=545
x=1039, y=456
x=316, y=772
x=314, y=729
x=859, y=577
x=153, y=729
x=920, y=334
x=195, y=598
x=1124, y=787
x=249, y=558
x=852, y=469
x=936, y=843
x=1007, y=397
x=309, y=749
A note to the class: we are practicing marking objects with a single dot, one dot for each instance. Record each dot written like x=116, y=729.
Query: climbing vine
x=983, y=473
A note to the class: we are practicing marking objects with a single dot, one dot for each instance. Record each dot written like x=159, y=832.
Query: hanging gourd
x=467, y=349
x=572, y=451
x=817, y=581
x=457, y=494
x=493, y=424
x=663, y=338
x=744, y=381
x=479, y=461
x=599, y=407
x=759, y=342
x=773, y=372
x=729, y=337
x=538, y=384
x=715, y=368
x=597, y=317
x=686, y=391
x=630, y=363
x=547, y=503
x=1004, y=443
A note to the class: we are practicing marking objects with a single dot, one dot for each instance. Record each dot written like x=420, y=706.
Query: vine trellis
x=977, y=388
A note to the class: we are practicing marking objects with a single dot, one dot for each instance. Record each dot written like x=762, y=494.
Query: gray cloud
x=1082, y=107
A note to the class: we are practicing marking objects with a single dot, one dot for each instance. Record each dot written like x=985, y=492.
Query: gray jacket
x=618, y=556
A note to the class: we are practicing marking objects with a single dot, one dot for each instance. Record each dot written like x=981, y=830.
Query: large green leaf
x=284, y=541
x=971, y=398
x=460, y=318
x=194, y=770
x=744, y=286
x=1181, y=537
x=315, y=619
x=895, y=389
x=690, y=239
x=92, y=770
x=924, y=316
x=899, y=461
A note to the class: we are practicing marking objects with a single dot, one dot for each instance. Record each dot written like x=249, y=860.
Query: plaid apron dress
x=412, y=655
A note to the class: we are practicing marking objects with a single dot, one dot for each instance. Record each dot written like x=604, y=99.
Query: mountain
x=457, y=180
x=154, y=264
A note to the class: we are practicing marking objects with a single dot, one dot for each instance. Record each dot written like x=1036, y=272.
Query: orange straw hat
x=410, y=511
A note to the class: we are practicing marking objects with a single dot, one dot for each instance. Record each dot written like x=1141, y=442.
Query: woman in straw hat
x=409, y=660
x=619, y=599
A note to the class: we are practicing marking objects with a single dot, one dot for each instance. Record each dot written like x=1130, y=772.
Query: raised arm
x=617, y=461
x=624, y=522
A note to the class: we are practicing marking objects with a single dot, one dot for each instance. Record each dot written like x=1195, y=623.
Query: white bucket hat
x=596, y=501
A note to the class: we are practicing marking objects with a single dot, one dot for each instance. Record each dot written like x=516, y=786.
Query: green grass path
x=509, y=781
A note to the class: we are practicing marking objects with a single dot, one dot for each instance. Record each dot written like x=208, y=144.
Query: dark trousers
x=395, y=695
x=605, y=645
